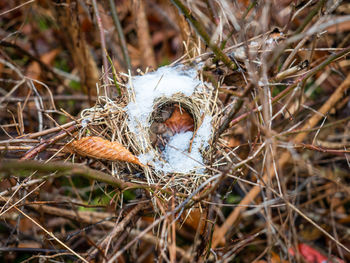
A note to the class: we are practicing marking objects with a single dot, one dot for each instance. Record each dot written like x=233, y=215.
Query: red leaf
x=311, y=255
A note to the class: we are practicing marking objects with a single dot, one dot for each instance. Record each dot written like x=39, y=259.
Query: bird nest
x=166, y=120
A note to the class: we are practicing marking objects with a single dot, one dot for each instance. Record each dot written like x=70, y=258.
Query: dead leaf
x=275, y=258
x=34, y=69
x=193, y=220
x=311, y=255
x=338, y=28
x=180, y=121
x=231, y=141
x=99, y=148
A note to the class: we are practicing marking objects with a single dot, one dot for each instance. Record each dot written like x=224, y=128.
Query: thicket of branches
x=281, y=71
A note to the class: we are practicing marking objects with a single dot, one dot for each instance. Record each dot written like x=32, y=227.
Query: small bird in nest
x=170, y=120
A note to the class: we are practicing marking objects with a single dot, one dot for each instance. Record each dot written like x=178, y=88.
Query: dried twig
x=68, y=21
x=19, y=6
x=103, y=45
x=67, y=169
x=236, y=107
x=283, y=160
x=206, y=38
x=143, y=34
x=50, y=234
x=46, y=143
x=310, y=16
x=120, y=226
x=120, y=34
x=91, y=217
x=51, y=130
x=287, y=90
x=78, y=170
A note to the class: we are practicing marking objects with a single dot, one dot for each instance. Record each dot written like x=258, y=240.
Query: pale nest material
x=129, y=120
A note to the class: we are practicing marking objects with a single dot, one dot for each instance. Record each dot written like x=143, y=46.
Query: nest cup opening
x=185, y=102
x=164, y=123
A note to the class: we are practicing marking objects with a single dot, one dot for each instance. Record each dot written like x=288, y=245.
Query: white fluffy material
x=165, y=82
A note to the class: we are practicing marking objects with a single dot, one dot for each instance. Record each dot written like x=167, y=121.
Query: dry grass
x=276, y=169
x=109, y=119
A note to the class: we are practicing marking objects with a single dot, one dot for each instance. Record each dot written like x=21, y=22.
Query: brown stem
x=204, y=35
x=287, y=90
x=321, y=149
x=220, y=232
x=120, y=34
x=74, y=39
x=78, y=170
x=48, y=131
x=132, y=215
x=236, y=107
x=65, y=169
x=143, y=34
x=310, y=16
x=46, y=143
x=103, y=44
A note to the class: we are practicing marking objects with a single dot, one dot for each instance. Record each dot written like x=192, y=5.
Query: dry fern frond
x=99, y=148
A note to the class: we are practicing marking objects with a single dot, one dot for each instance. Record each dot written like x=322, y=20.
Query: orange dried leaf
x=34, y=69
x=99, y=148
x=180, y=121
